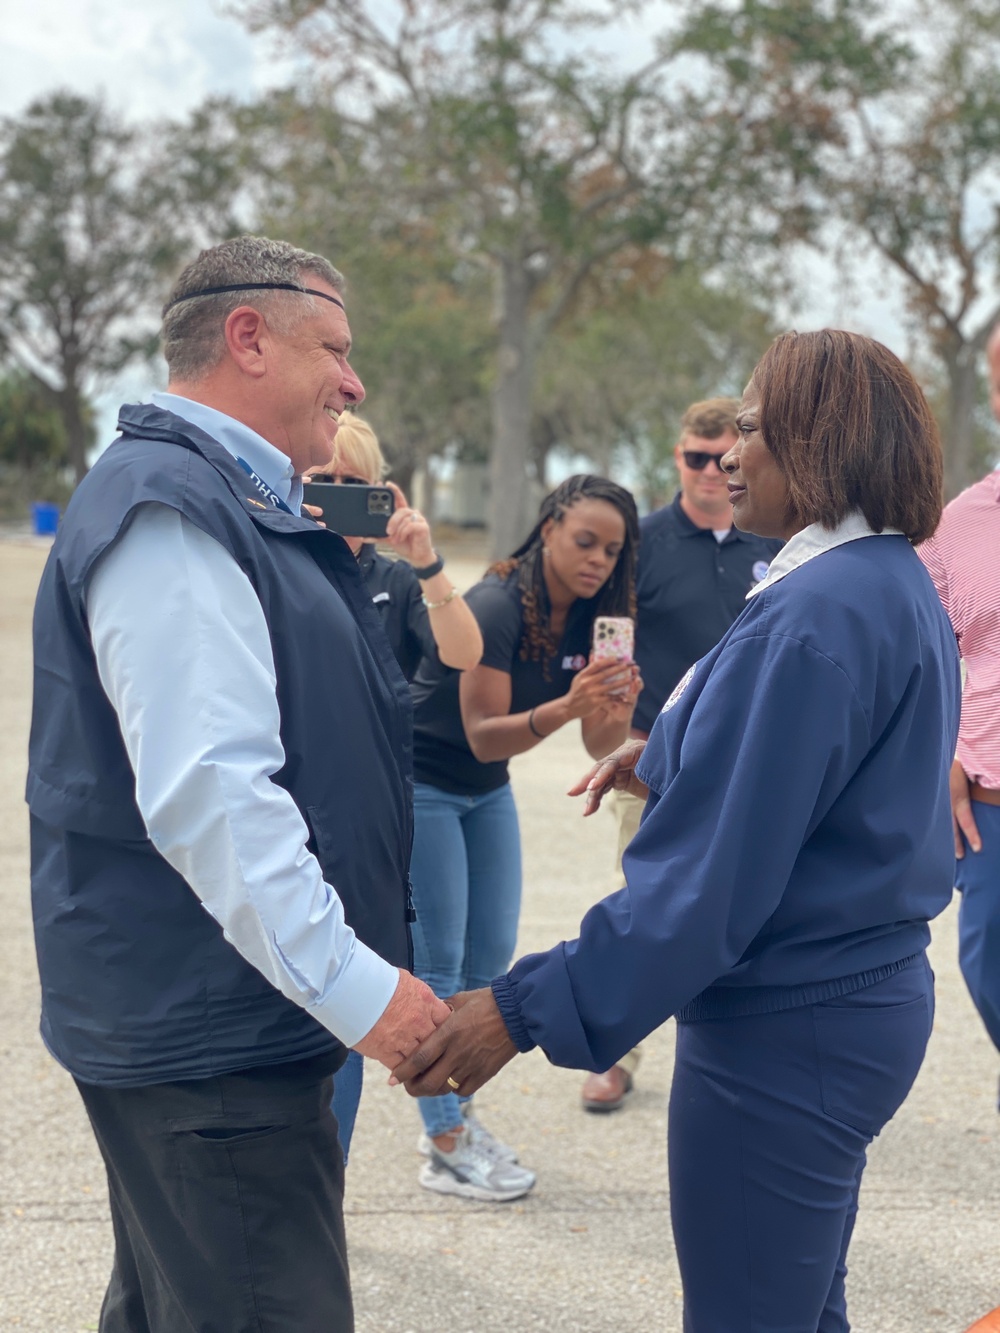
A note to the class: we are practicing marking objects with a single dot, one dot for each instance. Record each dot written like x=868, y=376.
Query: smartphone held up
x=614, y=641
x=351, y=511
x=614, y=638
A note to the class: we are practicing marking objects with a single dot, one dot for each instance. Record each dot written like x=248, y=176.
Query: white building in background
x=468, y=496
x=460, y=493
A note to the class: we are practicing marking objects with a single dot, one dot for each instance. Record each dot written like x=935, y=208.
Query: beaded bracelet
x=433, y=606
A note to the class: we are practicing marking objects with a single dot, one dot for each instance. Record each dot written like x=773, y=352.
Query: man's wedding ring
x=452, y=1084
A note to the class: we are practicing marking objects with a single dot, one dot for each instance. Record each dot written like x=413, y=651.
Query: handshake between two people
x=435, y=1046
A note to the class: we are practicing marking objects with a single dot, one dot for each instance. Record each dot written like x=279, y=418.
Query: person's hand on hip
x=962, y=819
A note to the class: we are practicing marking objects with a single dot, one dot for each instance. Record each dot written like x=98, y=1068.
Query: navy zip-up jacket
x=797, y=837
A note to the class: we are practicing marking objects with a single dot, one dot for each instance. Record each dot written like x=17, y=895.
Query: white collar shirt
x=239, y=440
x=814, y=540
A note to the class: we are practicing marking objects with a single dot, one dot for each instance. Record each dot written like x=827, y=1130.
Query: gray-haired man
x=220, y=814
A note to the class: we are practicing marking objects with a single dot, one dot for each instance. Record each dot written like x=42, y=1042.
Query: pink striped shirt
x=963, y=559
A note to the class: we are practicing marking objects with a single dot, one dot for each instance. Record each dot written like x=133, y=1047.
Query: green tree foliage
x=293, y=166
x=642, y=337
x=32, y=433
x=535, y=158
x=616, y=380
x=875, y=132
x=86, y=232
x=34, y=450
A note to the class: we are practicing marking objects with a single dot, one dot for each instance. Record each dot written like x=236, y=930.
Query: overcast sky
x=155, y=58
x=149, y=57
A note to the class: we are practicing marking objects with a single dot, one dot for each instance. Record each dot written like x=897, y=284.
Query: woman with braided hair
x=536, y=611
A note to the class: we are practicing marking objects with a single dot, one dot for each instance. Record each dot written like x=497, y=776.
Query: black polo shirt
x=690, y=588
x=395, y=592
x=441, y=754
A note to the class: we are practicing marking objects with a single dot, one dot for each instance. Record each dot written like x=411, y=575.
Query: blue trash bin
x=44, y=518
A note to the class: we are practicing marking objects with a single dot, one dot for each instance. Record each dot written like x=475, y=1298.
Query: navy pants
x=977, y=876
x=770, y=1118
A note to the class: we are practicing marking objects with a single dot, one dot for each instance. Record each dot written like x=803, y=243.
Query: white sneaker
x=472, y=1173
x=479, y=1134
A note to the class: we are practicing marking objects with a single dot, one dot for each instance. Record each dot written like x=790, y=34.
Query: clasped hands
x=425, y=1041
x=469, y=1048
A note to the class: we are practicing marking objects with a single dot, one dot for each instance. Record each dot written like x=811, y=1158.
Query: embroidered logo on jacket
x=679, y=689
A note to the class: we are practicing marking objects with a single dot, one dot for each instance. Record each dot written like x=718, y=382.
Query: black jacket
x=397, y=597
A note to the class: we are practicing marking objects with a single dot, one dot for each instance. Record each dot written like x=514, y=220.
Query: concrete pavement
x=590, y=1249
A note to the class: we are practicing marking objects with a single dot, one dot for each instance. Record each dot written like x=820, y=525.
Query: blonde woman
x=422, y=612
x=423, y=615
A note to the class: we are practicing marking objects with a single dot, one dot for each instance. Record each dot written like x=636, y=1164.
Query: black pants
x=227, y=1203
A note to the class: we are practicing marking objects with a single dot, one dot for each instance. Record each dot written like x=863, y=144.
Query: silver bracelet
x=433, y=606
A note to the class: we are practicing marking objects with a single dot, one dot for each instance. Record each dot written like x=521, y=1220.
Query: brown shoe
x=606, y=1092
x=990, y=1323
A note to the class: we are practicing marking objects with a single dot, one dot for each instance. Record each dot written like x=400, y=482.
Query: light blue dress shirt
x=184, y=655
x=267, y=461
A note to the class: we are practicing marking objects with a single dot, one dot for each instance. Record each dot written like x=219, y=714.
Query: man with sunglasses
x=695, y=570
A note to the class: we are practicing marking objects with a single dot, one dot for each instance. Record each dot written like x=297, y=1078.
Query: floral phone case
x=614, y=638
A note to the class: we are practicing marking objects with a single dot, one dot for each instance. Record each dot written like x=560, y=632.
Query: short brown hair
x=711, y=418
x=851, y=429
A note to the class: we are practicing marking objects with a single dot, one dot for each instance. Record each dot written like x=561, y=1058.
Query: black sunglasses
x=325, y=479
x=698, y=460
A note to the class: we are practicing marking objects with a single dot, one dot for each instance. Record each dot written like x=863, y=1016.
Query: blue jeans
x=347, y=1084
x=466, y=873
x=977, y=877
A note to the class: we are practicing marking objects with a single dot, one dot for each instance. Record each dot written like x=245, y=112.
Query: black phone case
x=353, y=511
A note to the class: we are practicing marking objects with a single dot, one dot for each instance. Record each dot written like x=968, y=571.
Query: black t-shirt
x=395, y=592
x=441, y=754
x=690, y=587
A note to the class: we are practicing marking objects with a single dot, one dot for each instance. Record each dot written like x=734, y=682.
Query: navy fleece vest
x=139, y=984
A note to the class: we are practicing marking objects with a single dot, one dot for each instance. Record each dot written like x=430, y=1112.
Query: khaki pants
x=627, y=810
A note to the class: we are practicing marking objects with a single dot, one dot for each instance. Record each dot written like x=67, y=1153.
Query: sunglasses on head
x=698, y=460
x=324, y=478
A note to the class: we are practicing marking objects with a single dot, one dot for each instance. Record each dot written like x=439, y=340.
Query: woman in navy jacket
x=795, y=844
